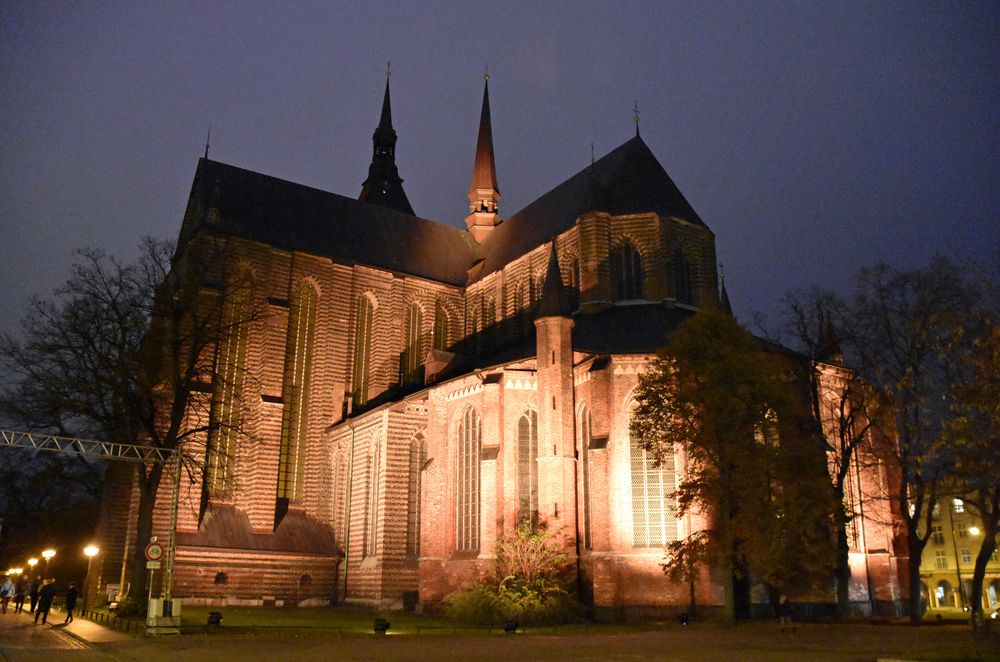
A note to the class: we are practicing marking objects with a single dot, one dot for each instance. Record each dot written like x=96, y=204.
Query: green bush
x=528, y=584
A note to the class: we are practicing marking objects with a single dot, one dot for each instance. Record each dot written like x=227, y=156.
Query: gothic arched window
x=626, y=269
x=584, y=444
x=231, y=361
x=467, y=444
x=527, y=469
x=654, y=523
x=683, y=282
x=295, y=391
x=374, y=476
x=418, y=457
x=413, y=347
x=362, y=350
x=440, y=328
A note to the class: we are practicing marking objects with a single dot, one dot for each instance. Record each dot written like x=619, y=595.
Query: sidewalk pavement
x=80, y=629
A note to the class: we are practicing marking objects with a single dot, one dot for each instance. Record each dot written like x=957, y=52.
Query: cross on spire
x=208, y=139
x=635, y=111
x=388, y=69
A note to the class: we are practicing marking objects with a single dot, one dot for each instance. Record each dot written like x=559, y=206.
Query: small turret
x=484, y=195
x=384, y=186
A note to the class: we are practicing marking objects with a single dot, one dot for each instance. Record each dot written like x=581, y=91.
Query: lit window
x=527, y=469
x=467, y=444
x=585, y=434
x=413, y=348
x=374, y=474
x=362, y=350
x=418, y=457
x=958, y=505
x=440, y=328
x=294, y=419
x=653, y=502
x=228, y=388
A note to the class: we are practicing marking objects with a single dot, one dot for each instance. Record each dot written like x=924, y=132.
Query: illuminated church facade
x=419, y=390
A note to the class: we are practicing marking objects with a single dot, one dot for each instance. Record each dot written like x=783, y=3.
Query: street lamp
x=32, y=562
x=91, y=551
x=47, y=555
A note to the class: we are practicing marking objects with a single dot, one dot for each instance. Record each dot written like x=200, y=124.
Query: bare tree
x=137, y=353
x=844, y=411
x=897, y=329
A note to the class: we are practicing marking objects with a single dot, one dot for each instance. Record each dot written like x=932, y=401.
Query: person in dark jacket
x=20, y=591
x=45, y=596
x=71, y=595
x=33, y=589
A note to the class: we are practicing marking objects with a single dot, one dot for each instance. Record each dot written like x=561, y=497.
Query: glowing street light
x=47, y=555
x=32, y=562
x=974, y=530
x=90, y=551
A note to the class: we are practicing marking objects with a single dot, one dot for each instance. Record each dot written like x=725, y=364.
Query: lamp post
x=91, y=551
x=47, y=555
x=32, y=562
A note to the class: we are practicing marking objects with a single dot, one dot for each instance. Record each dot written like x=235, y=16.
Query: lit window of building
x=958, y=505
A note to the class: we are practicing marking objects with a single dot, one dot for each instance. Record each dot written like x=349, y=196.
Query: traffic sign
x=153, y=565
x=154, y=551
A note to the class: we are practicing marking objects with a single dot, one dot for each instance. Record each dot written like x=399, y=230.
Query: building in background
x=950, y=556
x=416, y=391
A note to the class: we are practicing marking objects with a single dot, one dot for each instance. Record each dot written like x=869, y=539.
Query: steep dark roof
x=297, y=217
x=637, y=329
x=627, y=180
x=554, y=301
x=226, y=526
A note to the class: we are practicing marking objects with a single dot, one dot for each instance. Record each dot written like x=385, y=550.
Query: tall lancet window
x=527, y=469
x=654, y=522
x=295, y=391
x=584, y=431
x=362, y=350
x=683, y=282
x=227, y=391
x=374, y=487
x=626, y=268
x=440, y=328
x=418, y=458
x=523, y=306
x=467, y=445
x=413, y=348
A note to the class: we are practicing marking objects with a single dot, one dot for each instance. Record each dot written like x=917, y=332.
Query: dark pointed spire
x=555, y=300
x=384, y=186
x=724, y=304
x=484, y=194
x=828, y=347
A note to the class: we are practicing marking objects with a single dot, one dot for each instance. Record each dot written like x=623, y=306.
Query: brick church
x=419, y=390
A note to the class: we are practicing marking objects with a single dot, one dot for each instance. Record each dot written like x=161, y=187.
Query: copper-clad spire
x=484, y=194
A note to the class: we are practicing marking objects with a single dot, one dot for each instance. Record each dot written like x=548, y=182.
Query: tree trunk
x=842, y=571
x=148, y=485
x=979, y=574
x=913, y=572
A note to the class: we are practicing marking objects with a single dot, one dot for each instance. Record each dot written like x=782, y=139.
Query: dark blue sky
x=812, y=137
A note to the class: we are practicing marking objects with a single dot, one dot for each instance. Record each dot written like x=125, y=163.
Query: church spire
x=384, y=186
x=484, y=194
x=554, y=300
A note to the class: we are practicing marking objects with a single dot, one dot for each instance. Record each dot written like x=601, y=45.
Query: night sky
x=812, y=137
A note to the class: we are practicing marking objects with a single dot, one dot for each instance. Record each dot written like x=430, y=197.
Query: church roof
x=627, y=180
x=297, y=217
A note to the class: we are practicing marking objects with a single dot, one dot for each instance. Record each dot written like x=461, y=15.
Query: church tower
x=384, y=186
x=554, y=365
x=484, y=196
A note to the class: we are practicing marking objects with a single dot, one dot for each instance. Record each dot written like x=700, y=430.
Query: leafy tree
x=128, y=353
x=734, y=411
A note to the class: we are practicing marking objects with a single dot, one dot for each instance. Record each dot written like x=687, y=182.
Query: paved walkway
x=23, y=639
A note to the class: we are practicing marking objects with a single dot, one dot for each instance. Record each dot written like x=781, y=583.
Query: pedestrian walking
x=6, y=593
x=33, y=589
x=45, y=596
x=71, y=595
x=20, y=591
x=785, y=612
